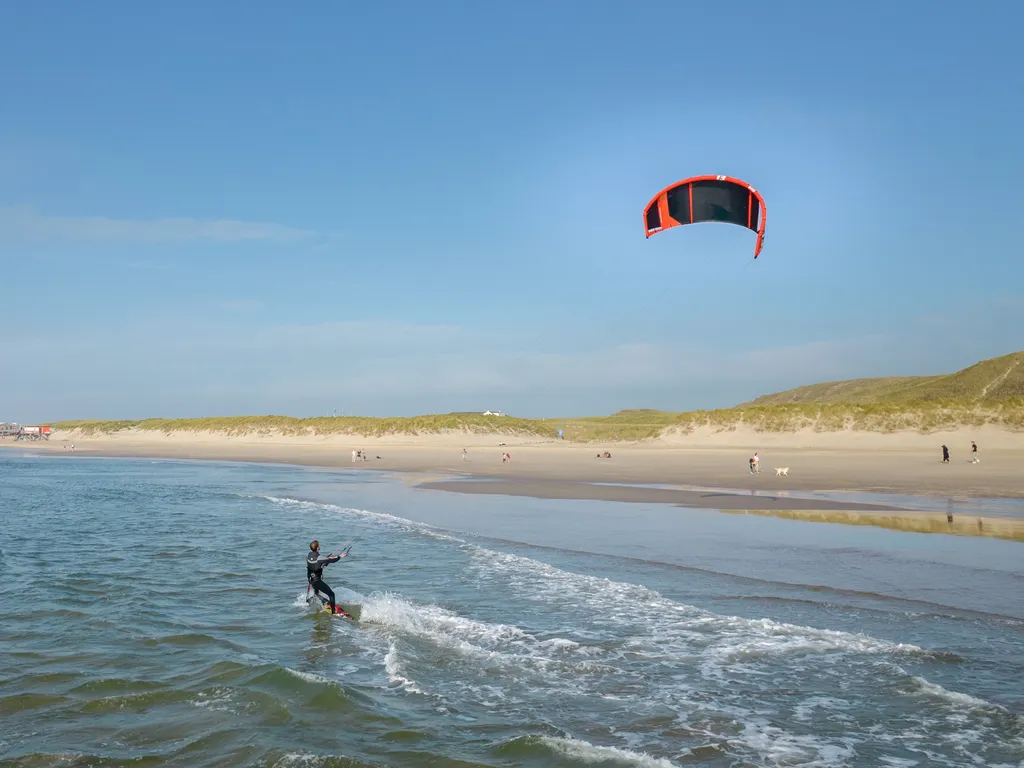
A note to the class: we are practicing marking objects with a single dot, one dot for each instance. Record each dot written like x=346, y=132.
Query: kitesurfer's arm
x=322, y=560
x=328, y=559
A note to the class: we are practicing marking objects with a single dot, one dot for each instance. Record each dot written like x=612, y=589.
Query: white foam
x=536, y=580
x=899, y=762
x=309, y=677
x=962, y=699
x=219, y=701
x=494, y=644
x=519, y=652
x=303, y=759
x=393, y=610
x=389, y=520
x=675, y=629
x=804, y=711
x=584, y=751
x=783, y=748
x=652, y=653
x=393, y=667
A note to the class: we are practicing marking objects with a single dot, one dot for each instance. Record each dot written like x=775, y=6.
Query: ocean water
x=152, y=613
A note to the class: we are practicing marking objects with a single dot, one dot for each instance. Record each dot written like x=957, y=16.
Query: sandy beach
x=901, y=463
x=707, y=471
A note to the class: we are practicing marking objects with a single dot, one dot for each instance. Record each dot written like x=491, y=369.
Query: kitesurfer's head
x=314, y=545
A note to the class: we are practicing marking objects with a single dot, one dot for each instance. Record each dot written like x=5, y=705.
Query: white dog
x=782, y=471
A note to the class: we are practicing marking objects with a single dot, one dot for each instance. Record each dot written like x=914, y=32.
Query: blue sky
x=389, y=209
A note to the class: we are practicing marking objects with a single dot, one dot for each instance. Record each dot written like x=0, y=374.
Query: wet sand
x=709, y=478
x=709, y=499
x=754, y=503
x=913, y=522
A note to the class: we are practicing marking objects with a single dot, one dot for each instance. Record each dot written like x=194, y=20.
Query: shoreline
x=977, y=526
x=841, y=466
x=886, y=516
x=708, y=498
x=431, y=468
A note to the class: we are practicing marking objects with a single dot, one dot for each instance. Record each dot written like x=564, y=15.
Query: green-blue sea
x=153, y=613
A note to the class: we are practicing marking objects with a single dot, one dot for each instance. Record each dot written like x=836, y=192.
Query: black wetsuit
x=315, y=563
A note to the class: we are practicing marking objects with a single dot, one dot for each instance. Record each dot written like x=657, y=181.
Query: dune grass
x=924, y=417
x=996, y=379
x=913, y=522
x=624, y=426
x=989, y=392
x=289, y=425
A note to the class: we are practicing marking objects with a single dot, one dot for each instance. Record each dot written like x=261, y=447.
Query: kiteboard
x=352, y=610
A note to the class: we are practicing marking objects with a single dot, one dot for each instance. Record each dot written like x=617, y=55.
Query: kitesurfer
x=315, y=563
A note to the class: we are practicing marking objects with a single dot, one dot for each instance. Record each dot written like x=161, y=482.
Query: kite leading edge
x=707, y=198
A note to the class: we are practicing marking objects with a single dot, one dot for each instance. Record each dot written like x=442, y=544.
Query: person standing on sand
x=974, y=452
x=945, y=455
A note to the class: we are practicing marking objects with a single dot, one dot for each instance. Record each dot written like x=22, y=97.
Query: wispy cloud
x=25, y=224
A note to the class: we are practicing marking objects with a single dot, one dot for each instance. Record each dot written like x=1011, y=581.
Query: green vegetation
x=991, y=392
x=350, y=425
x=623, y=426
x=997, y=379
x=884, y=418
x=641, y=424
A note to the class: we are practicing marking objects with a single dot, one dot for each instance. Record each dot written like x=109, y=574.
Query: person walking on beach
x=315, y=564
x=945, y=455
x=974, y=452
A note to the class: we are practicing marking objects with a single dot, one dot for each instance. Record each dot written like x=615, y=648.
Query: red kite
x=707, y=198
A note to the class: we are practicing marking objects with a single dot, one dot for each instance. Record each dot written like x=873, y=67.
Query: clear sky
x=410, y=207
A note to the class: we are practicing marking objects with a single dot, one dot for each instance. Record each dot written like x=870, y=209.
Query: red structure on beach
x=35, y=433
